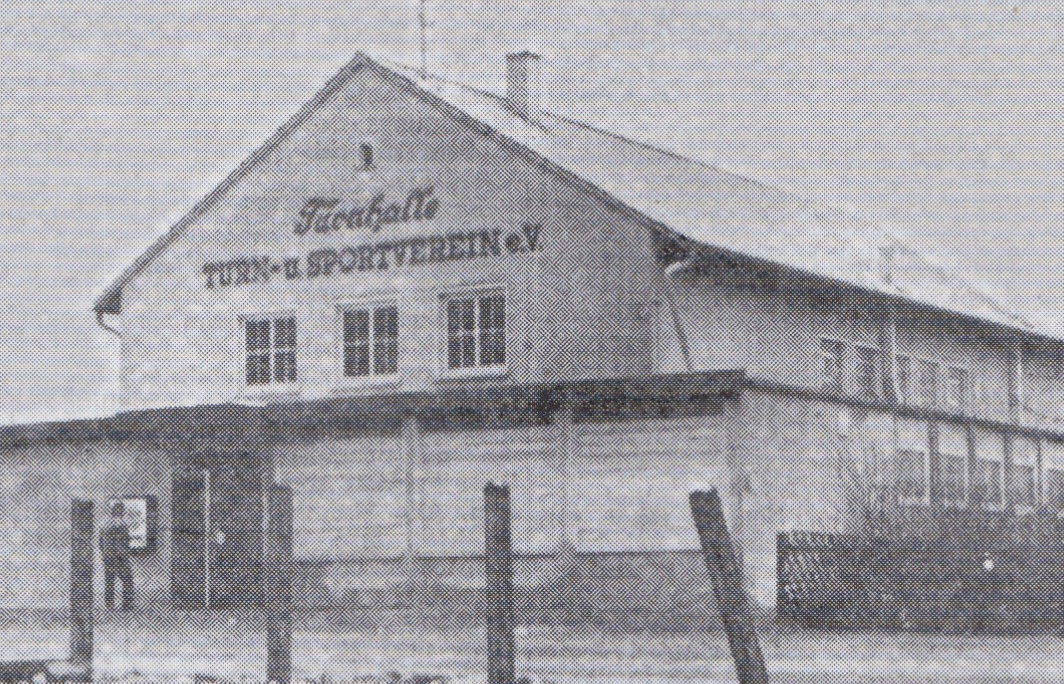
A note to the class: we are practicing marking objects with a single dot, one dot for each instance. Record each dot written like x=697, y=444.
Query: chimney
x=521, y=83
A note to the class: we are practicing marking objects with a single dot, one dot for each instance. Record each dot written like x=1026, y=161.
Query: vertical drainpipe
x=681, y=335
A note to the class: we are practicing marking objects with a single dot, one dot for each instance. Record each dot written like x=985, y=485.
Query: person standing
x=114, y=547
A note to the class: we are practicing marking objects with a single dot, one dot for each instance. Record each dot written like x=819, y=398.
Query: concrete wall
x=584, y=488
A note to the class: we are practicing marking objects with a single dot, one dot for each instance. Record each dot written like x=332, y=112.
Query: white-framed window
x=1023, y=474
x=270, y=350
x=952, y=458
x=867, y=372
x=1054, y=489
x=988, y=477
x=831, y=366
x=956, y=390
x=912, y=463
x=475, y=331
x=912, y=469
x=906, y=393
x=370, y=340
x=1053, y=476
x=926, y=383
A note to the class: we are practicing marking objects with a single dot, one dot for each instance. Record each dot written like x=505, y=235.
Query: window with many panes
x=912, y=475
x=476, y=331
x=905, y=380
x=1024, y=473
x=952, y=475
x=1054, y=489
x=926, y=382
x=986, y=483
x=867, y=372
x=271, y=350
x=1023, y=485
x=956, y=393
x=831, y=376
x=1053, y=475
x=371, y=341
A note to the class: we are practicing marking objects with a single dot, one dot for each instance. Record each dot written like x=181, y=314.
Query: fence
x=964, y=571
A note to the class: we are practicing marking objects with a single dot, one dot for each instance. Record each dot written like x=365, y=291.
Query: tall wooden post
x=726, y=575
x=279, y=585
x=81, y=589
x=499, y=596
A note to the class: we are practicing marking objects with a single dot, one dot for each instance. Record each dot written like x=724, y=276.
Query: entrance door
x=188, y=557
x=236, y=524
x=218, y=523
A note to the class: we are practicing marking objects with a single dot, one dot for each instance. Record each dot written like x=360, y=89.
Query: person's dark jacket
x=114, y=541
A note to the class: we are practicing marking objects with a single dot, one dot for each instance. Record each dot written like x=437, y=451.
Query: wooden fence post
x=726, y=575
x=499, y=597
x=81, y=589
x=279, y=585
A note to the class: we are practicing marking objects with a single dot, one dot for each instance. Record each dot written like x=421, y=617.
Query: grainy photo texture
x=409, y=342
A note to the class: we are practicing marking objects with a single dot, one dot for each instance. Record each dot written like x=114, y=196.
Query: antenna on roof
x=423, y=28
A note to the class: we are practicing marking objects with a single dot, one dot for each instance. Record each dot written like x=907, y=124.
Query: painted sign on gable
x=330, y=215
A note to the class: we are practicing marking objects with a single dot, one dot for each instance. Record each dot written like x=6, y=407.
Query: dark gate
x=953, y=571
x=217, y=531
x=188, y=554
x=235, y=539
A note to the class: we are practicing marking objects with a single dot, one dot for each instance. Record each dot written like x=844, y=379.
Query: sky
x=941, y=121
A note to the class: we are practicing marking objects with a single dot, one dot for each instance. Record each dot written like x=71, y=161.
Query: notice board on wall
x=142, y=518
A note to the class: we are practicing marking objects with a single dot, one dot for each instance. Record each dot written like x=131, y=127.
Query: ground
x=231, y=645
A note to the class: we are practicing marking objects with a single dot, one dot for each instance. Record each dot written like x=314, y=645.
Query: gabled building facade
x=415, y=287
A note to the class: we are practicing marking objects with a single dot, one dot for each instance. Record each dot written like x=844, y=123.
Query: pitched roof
x=701, y=202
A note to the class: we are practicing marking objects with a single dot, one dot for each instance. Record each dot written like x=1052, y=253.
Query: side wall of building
x=775, y=333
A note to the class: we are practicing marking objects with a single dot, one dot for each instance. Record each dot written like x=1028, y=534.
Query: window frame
x=273, y=385
x=1047, y=500
x=1014, y=466
x=1052, y=452
x=370, y=305
x=822, y=355
x=476, y=292
x=876, y=392
x=920, y=364
x=985, y=441
x=963, y=501
x=925, y=498
x=904, y=391
x=947, y=402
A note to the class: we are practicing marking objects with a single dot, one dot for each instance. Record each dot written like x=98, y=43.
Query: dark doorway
x=218, y=524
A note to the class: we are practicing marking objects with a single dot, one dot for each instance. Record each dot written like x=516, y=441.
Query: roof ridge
x=595, y=129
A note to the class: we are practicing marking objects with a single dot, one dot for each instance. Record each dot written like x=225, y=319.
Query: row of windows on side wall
x=475, y=340
x=920, y=382
x=983, y=485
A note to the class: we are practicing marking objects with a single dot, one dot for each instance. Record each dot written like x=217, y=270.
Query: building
x=414, y=287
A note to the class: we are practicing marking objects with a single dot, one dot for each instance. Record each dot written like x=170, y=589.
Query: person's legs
x=127, y=585
x=109, y=586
